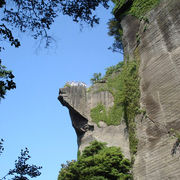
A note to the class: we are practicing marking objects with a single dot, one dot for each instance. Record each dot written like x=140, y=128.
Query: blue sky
x=31, y=115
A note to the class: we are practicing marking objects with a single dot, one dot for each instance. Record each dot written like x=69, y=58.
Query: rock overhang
x=79, y=100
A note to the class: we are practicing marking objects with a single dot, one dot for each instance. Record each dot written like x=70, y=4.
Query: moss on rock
x=124, y=87
x=136, y=8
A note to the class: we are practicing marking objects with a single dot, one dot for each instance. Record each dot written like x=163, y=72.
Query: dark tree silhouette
x=36, y=17
x=115, y=30
x=22, y=170
x=6, y=80
x=97, y=162
x=1, y=146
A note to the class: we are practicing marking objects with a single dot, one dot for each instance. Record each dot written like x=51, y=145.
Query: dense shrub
x=97, y=162
x=96, y=78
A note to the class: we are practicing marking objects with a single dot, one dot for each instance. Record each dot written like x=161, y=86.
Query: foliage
x=118, y=5
x=96, y=78
x=1, y=146
x=67, y=85
x=36, y=17
x=141, y=7
x=22, y=169
x=131, y=104
x=176, y=146
x=6, y=34
x=78, y=154
x=97, y=162
x=82, y=10
x=99, y=113
x=109, y=71
x=124, y=87
x=6, y=81
x=110, y=117
x=138, y=8
x=116, y=31
x=114, y=69
x=6, y=77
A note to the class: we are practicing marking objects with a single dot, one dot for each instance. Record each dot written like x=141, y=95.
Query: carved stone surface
x=159, y=54
x=80, y=101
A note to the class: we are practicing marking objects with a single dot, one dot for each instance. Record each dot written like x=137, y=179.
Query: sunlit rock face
x=159, y=54
x=158, y=49
x=80, y=101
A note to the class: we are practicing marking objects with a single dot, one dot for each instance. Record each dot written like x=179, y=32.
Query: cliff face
x=159, y=54
x=80, y=101
x=156, y=43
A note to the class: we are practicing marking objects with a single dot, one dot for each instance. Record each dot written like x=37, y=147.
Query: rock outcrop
x=159, y=54
x=158, y=49
x=80, y=101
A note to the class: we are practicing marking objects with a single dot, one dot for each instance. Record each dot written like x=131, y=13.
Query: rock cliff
x=159, y=54
x=80, y=101
x=156, y=44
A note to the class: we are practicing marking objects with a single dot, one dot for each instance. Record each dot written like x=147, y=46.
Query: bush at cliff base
x=97, y=162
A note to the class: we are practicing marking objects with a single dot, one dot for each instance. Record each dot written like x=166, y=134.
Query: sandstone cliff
x=156, y=44
x=159, y=54
x=80, y=102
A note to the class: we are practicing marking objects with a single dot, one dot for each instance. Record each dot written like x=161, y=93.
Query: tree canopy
x=1, y=146
x=6, y=80
x=97, y=162
x=36, y=17
x=115, y=30
x=22, y=170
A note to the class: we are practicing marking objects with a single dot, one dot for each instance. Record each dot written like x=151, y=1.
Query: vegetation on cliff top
x=97, y=162
x=96, y=78
x=122, y=81
x=124, y=87
x=136, y=8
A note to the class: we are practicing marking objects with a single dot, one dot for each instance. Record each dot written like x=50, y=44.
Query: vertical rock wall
x=159, y=54
x=158, y=50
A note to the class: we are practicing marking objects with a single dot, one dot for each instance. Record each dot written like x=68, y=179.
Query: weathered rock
x=158, y=49
x=130, y=25
x=79, y=102
x=159, y=54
